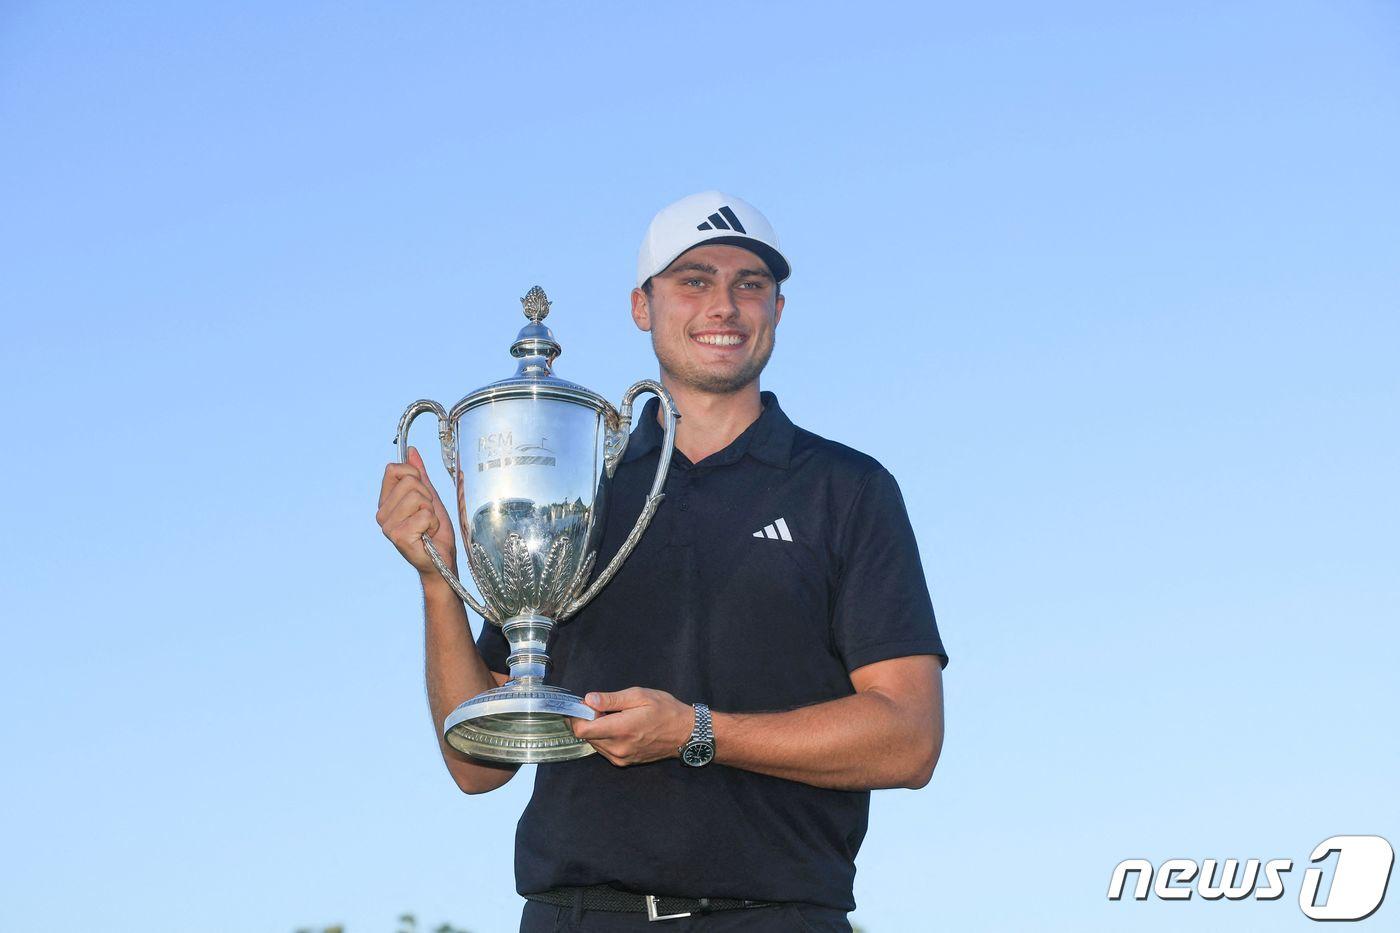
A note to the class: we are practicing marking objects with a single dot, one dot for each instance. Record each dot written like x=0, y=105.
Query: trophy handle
x=448, y=443
x=654, y=497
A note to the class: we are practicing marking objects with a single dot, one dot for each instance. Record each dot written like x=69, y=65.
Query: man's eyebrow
x=695, y=267
x=760, y=273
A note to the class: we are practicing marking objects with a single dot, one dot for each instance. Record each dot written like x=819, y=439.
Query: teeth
x=720, y=340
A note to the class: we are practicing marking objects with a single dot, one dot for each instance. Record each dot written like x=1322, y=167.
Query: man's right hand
x=410, y=506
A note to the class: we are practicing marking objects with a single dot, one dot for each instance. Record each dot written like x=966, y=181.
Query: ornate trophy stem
x=529, y=653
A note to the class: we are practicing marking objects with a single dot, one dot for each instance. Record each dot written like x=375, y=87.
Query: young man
x=766, y=656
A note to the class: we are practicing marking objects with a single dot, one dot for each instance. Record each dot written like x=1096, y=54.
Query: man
x=766, y=656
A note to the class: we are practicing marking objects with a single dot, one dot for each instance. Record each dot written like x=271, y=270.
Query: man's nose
x=723, y=306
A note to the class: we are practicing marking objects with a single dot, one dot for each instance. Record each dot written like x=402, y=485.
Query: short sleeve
x=882, y=607
x=493, y=648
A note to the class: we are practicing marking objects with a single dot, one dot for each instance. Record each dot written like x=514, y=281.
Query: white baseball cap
x=708, y=217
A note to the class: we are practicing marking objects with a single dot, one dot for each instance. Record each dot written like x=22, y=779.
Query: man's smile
x=720, y=338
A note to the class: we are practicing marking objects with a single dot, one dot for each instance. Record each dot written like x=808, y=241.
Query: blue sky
x=1110, y=288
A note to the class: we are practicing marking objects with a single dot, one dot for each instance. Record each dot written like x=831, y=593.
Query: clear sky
x=1110, y=288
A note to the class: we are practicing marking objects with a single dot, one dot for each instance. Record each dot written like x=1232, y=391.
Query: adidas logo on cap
x=722, y=219
x=708, y=217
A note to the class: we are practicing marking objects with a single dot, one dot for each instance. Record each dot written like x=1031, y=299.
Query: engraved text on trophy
x=500, y=450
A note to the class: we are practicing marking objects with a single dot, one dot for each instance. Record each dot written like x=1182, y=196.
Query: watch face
x=697, y=754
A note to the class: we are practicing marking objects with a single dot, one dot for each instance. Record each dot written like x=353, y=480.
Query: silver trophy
x=540, y=452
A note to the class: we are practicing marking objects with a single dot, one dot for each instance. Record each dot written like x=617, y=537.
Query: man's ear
x=641, y=309
x=778, y=309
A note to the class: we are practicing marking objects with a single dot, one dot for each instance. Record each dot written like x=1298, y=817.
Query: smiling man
x=765, y=657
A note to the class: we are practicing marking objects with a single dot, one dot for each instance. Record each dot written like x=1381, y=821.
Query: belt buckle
x=653, y=915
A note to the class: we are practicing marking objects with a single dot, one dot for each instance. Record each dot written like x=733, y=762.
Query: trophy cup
x=540, y=454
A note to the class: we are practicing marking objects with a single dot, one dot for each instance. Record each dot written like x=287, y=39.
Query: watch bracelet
x=704, y=730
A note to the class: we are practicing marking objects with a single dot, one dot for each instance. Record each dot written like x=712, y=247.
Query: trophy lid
x=536, y=349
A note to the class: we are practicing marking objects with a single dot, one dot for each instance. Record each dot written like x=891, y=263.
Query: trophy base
x=519, y=723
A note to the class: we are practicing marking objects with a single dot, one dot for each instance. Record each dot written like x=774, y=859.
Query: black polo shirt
x=771, y=570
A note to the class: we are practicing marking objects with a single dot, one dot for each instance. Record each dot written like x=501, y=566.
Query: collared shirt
x=771, y=570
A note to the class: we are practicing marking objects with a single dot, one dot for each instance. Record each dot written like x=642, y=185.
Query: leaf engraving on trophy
x=552, y=576
x=517, y=572
x=488, y=582
x=582, y=576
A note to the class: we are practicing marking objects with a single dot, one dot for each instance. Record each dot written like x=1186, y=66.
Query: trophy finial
x=535, y=304
x=535, y=339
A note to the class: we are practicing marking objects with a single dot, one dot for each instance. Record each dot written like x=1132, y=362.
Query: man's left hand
x=636, y=725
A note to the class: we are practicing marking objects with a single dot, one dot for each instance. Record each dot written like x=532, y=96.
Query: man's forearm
x=889, y=733
x=455, y=672
x=860, y=742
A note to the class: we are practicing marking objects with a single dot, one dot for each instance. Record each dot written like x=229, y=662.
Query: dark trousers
x=545, y=918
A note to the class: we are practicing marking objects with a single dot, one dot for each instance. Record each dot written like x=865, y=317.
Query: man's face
x=711, y=315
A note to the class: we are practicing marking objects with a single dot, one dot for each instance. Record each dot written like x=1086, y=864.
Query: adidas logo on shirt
x=778, y=531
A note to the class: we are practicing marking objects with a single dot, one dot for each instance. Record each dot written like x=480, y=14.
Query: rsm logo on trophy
x=499, y=449
x=1356, y=884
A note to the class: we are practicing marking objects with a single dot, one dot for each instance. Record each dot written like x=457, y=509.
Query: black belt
x=656, y=906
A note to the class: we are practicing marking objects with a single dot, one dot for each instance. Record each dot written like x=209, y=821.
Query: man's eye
x=694, y=281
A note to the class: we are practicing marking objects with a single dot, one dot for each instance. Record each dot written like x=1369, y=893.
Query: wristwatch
x=699, y=749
